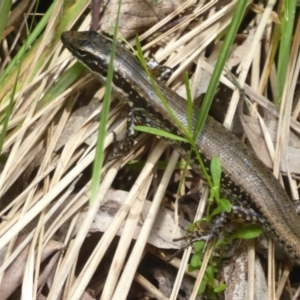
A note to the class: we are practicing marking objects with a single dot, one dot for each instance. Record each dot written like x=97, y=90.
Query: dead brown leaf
x=136, y=16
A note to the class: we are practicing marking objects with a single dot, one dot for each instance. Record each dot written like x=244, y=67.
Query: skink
x=256, y=195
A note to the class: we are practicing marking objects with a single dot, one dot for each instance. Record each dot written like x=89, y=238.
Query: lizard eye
x=80, y=53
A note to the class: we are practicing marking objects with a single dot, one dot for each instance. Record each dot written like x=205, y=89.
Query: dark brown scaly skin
x=248, y=183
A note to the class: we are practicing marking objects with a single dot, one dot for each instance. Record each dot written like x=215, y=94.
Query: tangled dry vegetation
x=54, y=244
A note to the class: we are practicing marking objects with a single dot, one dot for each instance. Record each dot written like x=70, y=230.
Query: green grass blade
x=161, y=133
x=287, y=27
x=189, y=102
x=10, y=106
x=141, y=58
x=99, y=158
x=5, y=6
x=224, y=52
